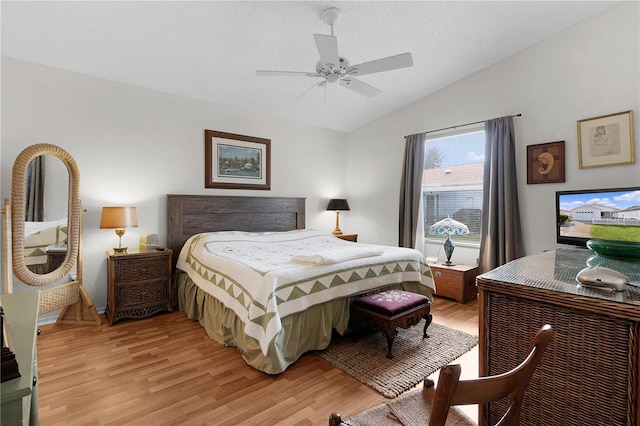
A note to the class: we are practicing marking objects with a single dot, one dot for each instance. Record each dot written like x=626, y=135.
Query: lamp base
x=120, y=250
x=336, y=230
x=448, y=251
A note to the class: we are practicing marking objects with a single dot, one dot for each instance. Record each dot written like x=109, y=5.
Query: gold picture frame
x=236, y=161
x=545, y=163
x=606, y=140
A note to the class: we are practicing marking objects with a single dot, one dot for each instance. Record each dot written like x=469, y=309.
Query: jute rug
x=414, y=358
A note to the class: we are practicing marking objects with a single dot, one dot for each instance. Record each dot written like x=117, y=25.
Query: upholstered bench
x=391, y=309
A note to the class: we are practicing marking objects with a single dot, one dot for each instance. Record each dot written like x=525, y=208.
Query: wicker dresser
x=139, y=284
x=589, y=373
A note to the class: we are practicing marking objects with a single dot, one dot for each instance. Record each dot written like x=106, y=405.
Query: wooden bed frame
x=188, y=215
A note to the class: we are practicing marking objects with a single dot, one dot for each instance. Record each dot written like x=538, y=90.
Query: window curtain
x=501, y=236
x=411, y=226
x=35, y=191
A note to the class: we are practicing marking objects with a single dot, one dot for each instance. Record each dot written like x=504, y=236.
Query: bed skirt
x=301, y=332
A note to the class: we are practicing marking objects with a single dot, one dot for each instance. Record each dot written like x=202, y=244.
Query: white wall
x=589, y=70
x=133, y=146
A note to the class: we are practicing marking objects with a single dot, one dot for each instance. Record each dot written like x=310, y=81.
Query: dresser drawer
x=128, y=270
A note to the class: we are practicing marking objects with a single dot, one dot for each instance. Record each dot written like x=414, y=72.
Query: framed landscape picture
x=236, y=161
x=606, y=140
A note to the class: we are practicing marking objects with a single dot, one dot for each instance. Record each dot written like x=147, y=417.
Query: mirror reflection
x=46, y=202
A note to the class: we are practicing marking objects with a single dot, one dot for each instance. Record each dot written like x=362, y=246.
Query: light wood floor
x=165, y=370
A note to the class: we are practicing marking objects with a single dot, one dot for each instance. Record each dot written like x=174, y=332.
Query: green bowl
x=617, y=249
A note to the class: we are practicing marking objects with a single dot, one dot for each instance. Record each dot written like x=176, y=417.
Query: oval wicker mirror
x=18, y=195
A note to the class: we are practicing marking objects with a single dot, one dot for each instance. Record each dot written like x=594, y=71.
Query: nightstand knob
x=143, y=270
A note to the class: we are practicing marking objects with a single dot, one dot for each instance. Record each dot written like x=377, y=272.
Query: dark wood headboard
x=188, y=215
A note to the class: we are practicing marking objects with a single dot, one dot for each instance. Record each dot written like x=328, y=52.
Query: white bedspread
x=254, y=273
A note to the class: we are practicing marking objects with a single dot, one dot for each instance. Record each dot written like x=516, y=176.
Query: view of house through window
x=452, y=182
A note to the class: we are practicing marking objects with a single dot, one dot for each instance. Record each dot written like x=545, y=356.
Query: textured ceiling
x=210, y=50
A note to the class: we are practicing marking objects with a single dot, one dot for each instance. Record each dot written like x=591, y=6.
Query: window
x=452, y=182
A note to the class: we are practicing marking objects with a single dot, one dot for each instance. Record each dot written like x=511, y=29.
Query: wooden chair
x=452, y=391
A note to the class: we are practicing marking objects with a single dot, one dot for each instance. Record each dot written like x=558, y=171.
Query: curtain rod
x=460, y=125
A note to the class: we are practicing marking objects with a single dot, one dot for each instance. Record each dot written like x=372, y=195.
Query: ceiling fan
x=332, y=68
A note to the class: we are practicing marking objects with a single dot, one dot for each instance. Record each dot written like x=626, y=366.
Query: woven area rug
x=414, y=358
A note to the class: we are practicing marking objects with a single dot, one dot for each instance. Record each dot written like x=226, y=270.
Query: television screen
x=604, y=214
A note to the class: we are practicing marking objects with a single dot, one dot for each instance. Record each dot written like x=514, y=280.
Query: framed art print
x=606, y=140
x=545, y=163
x=236, y=161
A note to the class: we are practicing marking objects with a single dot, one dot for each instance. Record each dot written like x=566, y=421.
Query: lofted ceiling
x=210, y=50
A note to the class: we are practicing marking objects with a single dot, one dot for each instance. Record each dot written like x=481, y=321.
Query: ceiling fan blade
x=402, y=60
x=359, y=87
x=328, y=49
x=319, y=84
x=287, y=73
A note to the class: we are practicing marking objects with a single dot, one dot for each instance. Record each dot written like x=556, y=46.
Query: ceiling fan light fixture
x=333, y=77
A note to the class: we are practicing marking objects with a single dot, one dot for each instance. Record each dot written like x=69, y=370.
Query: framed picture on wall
x=545, y=162
x=236, y=161
x=606, y=140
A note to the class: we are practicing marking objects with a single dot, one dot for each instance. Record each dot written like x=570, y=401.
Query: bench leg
x=427, y=322
x=390, y=334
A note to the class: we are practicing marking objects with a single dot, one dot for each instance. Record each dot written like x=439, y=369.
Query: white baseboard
x=51, y=317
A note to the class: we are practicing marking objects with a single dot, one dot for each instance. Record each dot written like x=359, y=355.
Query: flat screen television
x=602, y=214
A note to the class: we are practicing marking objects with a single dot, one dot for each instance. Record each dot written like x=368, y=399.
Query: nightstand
x=55, y=257
x=139, y=284
x=348, y=237
x=456, y=282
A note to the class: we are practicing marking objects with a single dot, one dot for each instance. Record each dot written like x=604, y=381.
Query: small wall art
x=236, y=161
x=606, y=140
x=545, y=163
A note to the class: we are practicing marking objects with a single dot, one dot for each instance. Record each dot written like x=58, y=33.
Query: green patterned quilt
x=256, y=275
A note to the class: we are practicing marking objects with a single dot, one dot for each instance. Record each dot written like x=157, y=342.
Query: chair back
x=453, y=391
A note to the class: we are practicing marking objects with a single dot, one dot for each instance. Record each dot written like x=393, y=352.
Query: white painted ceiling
x=210, y=50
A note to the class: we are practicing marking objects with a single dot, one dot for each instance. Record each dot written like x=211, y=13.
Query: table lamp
x=448, y=227
x=119, y=218
x=338, y=204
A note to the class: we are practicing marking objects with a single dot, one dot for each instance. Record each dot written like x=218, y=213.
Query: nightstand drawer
x=136, y=269
x=141, y=293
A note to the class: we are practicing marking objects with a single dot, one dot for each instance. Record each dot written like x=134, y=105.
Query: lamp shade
x=118, y=218
x=448, y=226
x=338, y=204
